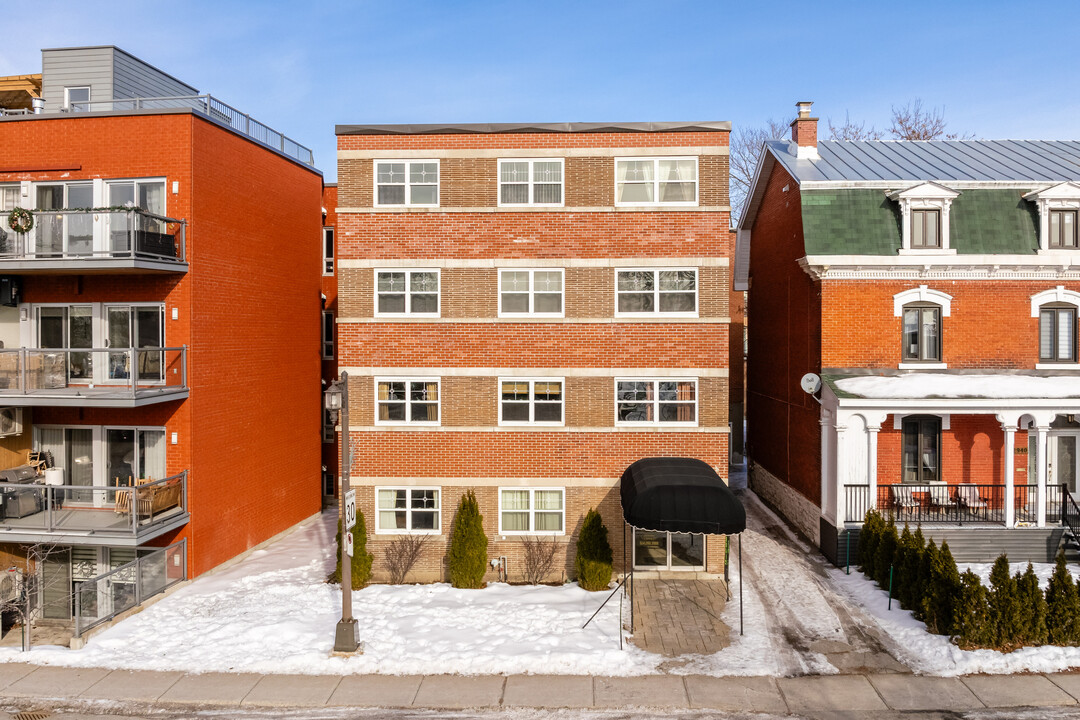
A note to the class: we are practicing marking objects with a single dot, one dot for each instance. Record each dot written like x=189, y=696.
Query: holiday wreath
x=20, y=220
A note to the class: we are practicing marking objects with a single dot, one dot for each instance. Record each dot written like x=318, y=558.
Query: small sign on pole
x=350, y=510
x=349, y=544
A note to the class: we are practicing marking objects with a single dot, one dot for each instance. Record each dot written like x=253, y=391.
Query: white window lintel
x=1056, y=295
x=924, y=295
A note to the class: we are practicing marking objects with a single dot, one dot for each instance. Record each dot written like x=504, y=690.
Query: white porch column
x=841, y=474
x=1041, y=467
x=871, y=462
x=828, y=487
x=1010, y=474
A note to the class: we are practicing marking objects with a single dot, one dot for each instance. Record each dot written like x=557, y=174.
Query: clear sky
x=998, y=69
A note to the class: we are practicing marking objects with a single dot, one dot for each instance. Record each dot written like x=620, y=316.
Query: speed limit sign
x=350, y=510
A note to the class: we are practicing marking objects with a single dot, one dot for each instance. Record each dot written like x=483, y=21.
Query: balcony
x=962, y=504
x=92, y=515
x=95, y=241
x=92, y=377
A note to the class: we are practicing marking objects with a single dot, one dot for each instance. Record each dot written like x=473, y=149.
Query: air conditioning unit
x=11, y=583
x=10, y=421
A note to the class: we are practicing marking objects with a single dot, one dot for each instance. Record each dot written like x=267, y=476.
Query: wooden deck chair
x=903, y=497
x=123, y=499
x=37, y=460
x=968, y=496
x=940, y=497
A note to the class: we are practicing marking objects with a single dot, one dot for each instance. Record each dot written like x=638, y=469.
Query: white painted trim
x=656, y=292
x=1063, y=196
x=443, y=481
x=408, y=421
x=455, y=371
x=408, y=185
x=534, y=263
x=922, y=366
x=1056, y=295
x=657, y=181
x=528, y=209
x=409, y=510
x=531, y=293
x=629, y=427
x=662, y=320
x=532, y=511
x=1072, y=367
x=924, y=295
x=532, y=422
x=898, y=419
x=407, y=292
x=531, y=182
x=525, y=153
x=656, y=422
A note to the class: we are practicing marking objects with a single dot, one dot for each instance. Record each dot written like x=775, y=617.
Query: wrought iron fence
x=953, y=504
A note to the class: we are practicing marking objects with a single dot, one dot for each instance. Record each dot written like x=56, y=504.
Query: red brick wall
x=482, y=141
x=331, y=452
x=971, y=452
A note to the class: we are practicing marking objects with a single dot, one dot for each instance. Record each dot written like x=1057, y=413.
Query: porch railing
x=102, y=598
x=92, y=372
x=93, y=235
x=960, y=504
x=214, y=108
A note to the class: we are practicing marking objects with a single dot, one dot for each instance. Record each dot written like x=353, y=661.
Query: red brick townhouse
x=934, y=288
x=159, y=333
x=525, y=310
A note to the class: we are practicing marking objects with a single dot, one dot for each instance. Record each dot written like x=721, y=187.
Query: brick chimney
x=804, y=131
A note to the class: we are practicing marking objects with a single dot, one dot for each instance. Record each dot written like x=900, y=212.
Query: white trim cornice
x=1057, y=266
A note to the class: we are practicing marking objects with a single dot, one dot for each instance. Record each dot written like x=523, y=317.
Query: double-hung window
x=663, y=402
x=407, y=292
x=649, y=292
x=922, y=333
x=532, y=510
x=328, y=250
x=407, y=183
x=408, y=510
x=1062, y=227
x=411, y=401
x=1057, y=334
x=921, y=449
x=656, y=181
x=530, y=292
x=531, y=182
x=925, y=229
x=328, y=335
x=526, y=401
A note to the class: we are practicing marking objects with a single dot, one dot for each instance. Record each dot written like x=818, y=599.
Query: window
x=9, y=198
x=656, y=401
x=926, y=229
x=531, y=510
x=531, y=292
x=922, y=449
x=643, y=292
x=922, y=333
x=407, y=182
x=328, y=335
x=328, y=429
x=408, y=510
x=1063, y=229
x=1057, y=334
x=531, y=182
x=531, y=402
x=76, y=95
x=407, y=400
x=656, y=181
x=328, y=250
x=407, y=292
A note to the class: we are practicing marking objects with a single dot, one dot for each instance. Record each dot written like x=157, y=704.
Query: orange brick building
x=524, y=311
x=159, y=333
x=933, y=288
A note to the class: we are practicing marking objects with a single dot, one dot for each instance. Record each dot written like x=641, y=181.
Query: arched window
x=1057, y=333
x=921, y=341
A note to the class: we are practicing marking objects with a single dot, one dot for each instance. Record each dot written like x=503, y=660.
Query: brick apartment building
x=934, y=287
x=331, y=450
x=159, y=350
x=525, y=310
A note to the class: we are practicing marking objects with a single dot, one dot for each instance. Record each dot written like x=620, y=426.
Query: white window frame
x=67, y=94
x=408, y=293
x=408, y=530
x=656, y=181
x=532, y=511
x=329, y=344
x=656, y=422
x=408, y=403
x=532, y=292
x=532, y=182
x=925, y=196
x=532, y=402
x=1063, y=196
x=656, y=292
x=1058, y=296
x=328, y=243
x=408, y=185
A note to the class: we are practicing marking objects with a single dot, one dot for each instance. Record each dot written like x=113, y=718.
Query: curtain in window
x=515, y=505
x=932, y=349
x=392, y=509
x=1046, y=335
x=152, y=454
x=678, y=180
x=431, y=393
x=547, y=178
x=549, y=507
x=686, y=395
x=1065, y=340
x=51, y=440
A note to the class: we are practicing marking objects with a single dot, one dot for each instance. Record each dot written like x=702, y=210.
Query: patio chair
x=968, y=497
x=903, y=497
x=940, y=497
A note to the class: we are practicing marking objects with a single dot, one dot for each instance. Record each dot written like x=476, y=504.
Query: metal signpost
x=346, y=639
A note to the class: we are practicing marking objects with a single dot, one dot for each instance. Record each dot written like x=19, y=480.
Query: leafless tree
x=914, y=122
x=745, y=149
x=24, y=588
x=539, y=558
x=401, y=554
x=852, y=130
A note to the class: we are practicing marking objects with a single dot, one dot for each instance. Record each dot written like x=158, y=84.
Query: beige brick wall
x=590, y=181
x=355, y=183
x=356, y=294
x=470, y=292
x=470, y=401
x=713, y=292
x=590, y=292
x=590, y=402
x=713, y=180
x=468, y=182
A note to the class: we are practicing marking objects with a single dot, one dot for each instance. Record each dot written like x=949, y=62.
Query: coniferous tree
x=1005, y=612
x=868, y=542
x=467, y=556
x=942, y=592
x=972, y=625
x=886, y=552
x=361, y=558
x=1062, y=606
x=926, y=563
x=1032, y=608
x=907, y=568
x=594, y=557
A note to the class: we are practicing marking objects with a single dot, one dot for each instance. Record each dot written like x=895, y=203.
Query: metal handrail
x=1070, y=512
x=136, y=380
x=629, y=575
x=952, y=503
x=137, y=237
x=216, y=110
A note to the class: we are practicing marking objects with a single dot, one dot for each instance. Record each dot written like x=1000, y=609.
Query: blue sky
x=998, y=69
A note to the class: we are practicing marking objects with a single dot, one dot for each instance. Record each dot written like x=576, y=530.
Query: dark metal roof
x=934, y=160
x=489, y=128
x=679, y=495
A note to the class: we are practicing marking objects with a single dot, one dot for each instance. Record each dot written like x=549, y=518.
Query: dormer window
x=1059, y=207
x=924, y=210
x=1062, y=229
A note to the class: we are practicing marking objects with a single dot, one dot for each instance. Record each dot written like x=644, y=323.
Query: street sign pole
x=347, y=638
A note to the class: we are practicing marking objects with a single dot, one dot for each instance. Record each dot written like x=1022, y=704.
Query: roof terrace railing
x=211, y=106
x=93, y=234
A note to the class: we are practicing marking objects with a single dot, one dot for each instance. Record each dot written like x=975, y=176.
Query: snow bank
x=941, y=385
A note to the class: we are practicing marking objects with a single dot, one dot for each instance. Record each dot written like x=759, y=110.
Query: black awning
x=679, y=495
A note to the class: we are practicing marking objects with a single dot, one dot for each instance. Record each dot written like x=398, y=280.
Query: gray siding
x=76, y=66
x=134, y=78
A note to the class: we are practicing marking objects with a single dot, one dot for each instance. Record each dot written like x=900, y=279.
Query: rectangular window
x=1057, y=334
x=408, y=510
x=412, y=401
x=9, y=199
x=645, y=292
x=530, y=292
x=407, y=183
x=922, y=334
x=328, y=429
x=531, y=182
x=328, y=335
x=531, y=402
x=922, y=449
x=407, y=292
x=656, y=181
x=926, y=228
x=328, y=250
x=79, y=94
x=667, y=402
x=531, y=510
x=1063, y=229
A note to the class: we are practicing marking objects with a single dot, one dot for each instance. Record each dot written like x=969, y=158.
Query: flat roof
x=493, y=128
x=136, y=58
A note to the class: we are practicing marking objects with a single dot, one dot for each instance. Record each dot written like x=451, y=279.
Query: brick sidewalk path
x=679, y=617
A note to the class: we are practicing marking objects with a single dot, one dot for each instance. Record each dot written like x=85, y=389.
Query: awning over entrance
x=681, y=495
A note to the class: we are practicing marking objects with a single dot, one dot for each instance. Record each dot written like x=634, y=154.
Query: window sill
x=408, y=532
x=657, y=314
x=1058, y=366
x=926, y=251
x=1064, y=252
x=531, y=424
x=530, y=533
x=407, y=316
x=922, y=366
x=407, y=424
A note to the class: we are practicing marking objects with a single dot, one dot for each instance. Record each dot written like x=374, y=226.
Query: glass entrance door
x=1063, y=468
x=668, y=551
x=139, y=327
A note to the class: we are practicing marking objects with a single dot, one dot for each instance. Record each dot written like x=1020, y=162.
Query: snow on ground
x=927, y=385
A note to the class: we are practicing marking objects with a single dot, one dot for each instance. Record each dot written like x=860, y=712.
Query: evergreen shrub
x=467, y=556
x=594, y=557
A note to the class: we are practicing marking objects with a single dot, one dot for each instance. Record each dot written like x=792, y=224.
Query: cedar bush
x=886, y=554
x=1062, y=607
x=361, y=559
x=926, y=562
x=1032, y=608
x=942, y=591
x=972, y=622
x=910, y=591
x=869, y=536
x=467, y=556
x=1005, y=612
x=594, y=556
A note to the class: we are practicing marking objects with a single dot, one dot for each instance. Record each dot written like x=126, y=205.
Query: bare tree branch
x=745, y=148
x=914, y=122
x=852, y=130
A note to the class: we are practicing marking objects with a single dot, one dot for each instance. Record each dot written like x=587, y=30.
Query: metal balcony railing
x=96, y=234
x=88, y=374
x=214, y=108
x=952, y=504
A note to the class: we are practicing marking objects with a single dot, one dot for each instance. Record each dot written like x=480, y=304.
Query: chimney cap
x=804, y=108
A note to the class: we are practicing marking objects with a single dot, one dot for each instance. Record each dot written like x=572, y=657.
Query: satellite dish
x=810, y=383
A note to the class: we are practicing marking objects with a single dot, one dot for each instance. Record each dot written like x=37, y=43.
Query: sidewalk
x=32, y=686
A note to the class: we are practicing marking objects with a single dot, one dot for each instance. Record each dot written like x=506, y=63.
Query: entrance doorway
x=655, y=550
x=1062, y=463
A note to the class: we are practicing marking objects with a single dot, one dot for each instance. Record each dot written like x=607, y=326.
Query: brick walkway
x=679, y=617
